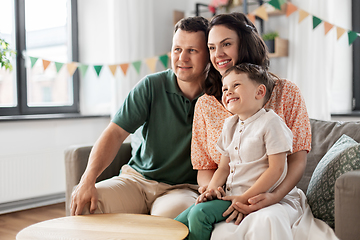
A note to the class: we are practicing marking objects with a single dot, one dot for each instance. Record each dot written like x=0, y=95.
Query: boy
x=254, y=144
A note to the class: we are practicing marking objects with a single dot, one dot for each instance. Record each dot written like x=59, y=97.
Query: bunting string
x=262, y=13
x=83, y=68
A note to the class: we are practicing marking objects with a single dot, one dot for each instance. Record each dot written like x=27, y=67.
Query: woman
x=232, y=40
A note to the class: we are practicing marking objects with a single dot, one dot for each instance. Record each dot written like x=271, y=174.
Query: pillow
x=342, y=157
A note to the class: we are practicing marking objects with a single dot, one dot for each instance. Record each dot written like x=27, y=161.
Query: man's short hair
x=192, y=24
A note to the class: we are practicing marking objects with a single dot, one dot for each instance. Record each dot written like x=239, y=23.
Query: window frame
x=21, y=82
x=356, y=55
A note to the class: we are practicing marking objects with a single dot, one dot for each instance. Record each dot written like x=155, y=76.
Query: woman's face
x=223, y=44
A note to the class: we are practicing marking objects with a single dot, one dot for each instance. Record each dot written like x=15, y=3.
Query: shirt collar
x=172, y=85
x=258, y=114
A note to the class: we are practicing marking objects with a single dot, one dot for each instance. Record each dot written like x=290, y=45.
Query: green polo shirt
x=157, y=104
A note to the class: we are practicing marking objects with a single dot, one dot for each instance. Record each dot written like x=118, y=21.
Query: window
x=46, y=31
x=356, y=55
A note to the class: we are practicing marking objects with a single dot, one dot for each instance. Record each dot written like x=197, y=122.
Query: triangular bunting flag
x=124, y=67
x=339, y=32
x=58, y=66
x=251, y=17
x=262, y=13
x=33, y=61
x=302, y=15
x=45, y=64
x=352, y=36
x=98, y=69
x=83, y=68
x=291, y=8
x=275, y=4
x=327, y=27
x=113, y=69
x=282, y=2
x=71, y=67
x=164, y=60
x=151, y=63
x=316, y=22
x=137, y=66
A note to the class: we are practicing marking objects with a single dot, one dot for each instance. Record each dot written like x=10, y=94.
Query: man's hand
x=83, y=194
x=255, y=203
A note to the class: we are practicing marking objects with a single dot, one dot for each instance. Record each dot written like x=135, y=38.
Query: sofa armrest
x=76, y=159
x=347, y=207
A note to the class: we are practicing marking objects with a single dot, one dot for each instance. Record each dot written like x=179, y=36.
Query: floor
x=12, y=223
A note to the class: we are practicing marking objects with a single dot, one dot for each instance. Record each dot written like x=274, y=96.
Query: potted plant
x=269, y=39
x=5, y=55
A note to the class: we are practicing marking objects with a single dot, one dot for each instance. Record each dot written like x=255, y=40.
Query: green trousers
x=200, y=218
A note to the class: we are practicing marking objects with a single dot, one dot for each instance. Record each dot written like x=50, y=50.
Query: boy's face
x=241, y=95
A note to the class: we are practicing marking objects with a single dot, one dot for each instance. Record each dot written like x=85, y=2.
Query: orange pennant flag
x=291, y=8
x=340, y=31
x=71, y=67
x=45, y=64
x=261, y=12
x=113, y=69
x=251, y=17
x=327, y=27
x=302, y=15
x=124, y=67
x=151, y=63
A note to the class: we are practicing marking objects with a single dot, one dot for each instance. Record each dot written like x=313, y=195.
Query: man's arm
x=102, y=154
x=296, y=168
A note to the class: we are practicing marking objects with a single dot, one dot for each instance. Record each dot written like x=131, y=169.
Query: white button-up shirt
x=248, y=144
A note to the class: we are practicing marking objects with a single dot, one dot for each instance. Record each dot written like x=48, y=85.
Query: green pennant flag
x=275, y=4
x=282, y=2
x=352, y=36
x=58, y=66
x=98, y=69
x=33, y=61
x=83, y=68
x=137, y=66
x=164, y=59
x=316, y=22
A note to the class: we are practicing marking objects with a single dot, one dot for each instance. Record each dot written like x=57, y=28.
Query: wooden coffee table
x=106, y=226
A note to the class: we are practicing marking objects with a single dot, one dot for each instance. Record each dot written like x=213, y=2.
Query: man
x=159, y=178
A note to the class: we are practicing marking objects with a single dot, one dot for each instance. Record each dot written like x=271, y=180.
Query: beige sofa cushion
x=344, y=156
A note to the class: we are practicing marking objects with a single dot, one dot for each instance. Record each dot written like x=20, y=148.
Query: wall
x=32, y=154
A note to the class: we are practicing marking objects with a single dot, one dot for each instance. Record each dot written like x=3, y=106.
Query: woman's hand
x=232, y=212
x=210, y=194
x=255, y=203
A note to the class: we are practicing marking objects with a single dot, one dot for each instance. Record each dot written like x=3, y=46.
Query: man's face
x=189, y=56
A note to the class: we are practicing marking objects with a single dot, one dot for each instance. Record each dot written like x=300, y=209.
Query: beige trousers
x=130, y=192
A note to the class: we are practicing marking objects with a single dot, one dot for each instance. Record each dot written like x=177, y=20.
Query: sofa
x=345, y=189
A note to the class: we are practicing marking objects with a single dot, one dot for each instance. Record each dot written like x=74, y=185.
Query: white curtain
x=113, y=32
x=320, y=64
x=133, y=40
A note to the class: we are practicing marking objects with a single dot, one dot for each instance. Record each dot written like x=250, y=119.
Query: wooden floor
x=12, y=223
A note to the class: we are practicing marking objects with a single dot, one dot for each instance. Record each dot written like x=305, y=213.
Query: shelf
x=177, y=15
x=281, y=48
